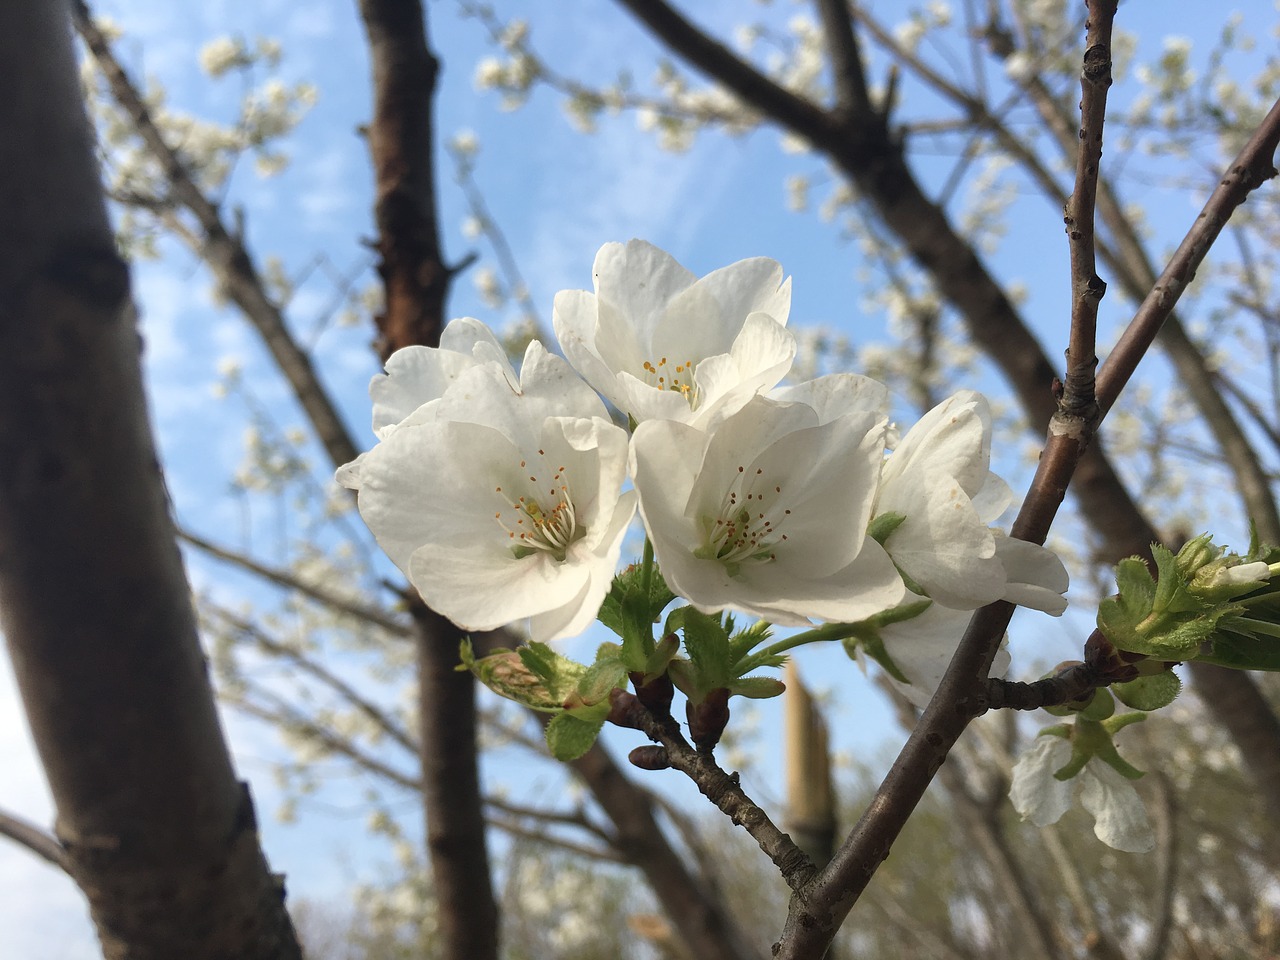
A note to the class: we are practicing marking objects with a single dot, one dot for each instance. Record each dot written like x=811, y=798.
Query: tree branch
x=417, y=282
x=716, y=785
x=224, y=251
x=286, y=579
x=1087, y=288
x=848, y=75
x=43, y=845
x=704, y=923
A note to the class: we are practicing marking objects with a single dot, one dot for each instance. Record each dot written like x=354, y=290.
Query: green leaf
x=630, y=613
x=601, y=678
x=1239, y=644
x=570, y=735
x=1150, y=692
x=707, y=644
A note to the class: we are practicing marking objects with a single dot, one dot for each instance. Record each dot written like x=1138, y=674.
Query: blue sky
x=559, y=195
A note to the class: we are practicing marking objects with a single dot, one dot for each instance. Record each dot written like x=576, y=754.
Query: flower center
x=677, y=377
x=541, y=520
x=747, y=527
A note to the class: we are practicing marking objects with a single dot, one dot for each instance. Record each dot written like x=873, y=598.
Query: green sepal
x=882, y=527
x=1150, y=692
x=872, y=645
x=534, y=675
x=571, y=734
x=747, y=639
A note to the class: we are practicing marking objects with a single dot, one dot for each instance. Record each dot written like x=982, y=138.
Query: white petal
x=1034, y=792
x=954, y=438
x=416, y=375
x=1120, y=819
x=837, y=394
x=922, y=649
x=942, y=544
x=639, y=280
x=483, y=590
x=574, y=317
x=1036, y=577
x=760, y=356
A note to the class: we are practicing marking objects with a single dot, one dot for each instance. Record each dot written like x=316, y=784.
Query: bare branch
x=1087, y=288
x=224, y=251
x=43, y=845
x=286, y=579
x=1251, y=168
x=716, y=785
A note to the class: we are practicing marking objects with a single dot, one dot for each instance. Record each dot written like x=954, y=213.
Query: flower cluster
x=504, y=495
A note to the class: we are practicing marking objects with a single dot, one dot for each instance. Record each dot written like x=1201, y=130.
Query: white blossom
x=939, y=479
x=500, y=501
x=660, y=343
x=767, y=513
x=1120, y=819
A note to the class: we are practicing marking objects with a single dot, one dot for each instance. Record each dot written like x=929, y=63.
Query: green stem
x=828, y=631
x=646, y=570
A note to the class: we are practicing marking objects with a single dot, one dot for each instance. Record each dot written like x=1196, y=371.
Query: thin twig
x=43, y=844
x=1087, y=288
x=288, y=580
x=720, y=788
x=1252, y=167
x=268, y=644
x=224, y=250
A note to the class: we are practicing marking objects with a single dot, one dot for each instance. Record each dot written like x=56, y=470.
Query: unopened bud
x=708, y=719
x=651, y=757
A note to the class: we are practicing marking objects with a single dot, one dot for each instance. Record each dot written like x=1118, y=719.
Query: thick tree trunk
x=96, y=610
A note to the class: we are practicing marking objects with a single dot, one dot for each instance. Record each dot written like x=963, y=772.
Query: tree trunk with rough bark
x=158, y=832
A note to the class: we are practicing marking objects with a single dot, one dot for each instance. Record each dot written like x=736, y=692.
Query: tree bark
x=416, y=280
x=96, y=610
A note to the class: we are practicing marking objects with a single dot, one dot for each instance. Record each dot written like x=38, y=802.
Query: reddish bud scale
x=656, y=695
x=708, y=719
x=651, y=757
x=623, y=709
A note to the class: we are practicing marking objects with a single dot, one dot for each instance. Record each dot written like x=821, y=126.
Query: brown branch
x=848, y=75
x=43, y=845
x=981, y=823
x=223, y=250
x=716, y=785
x=268, y=644
x=701, y=917
x=157, y=830
x=401, y=144
x=1252, y=167
x=286, y=579
x=1087, y=288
